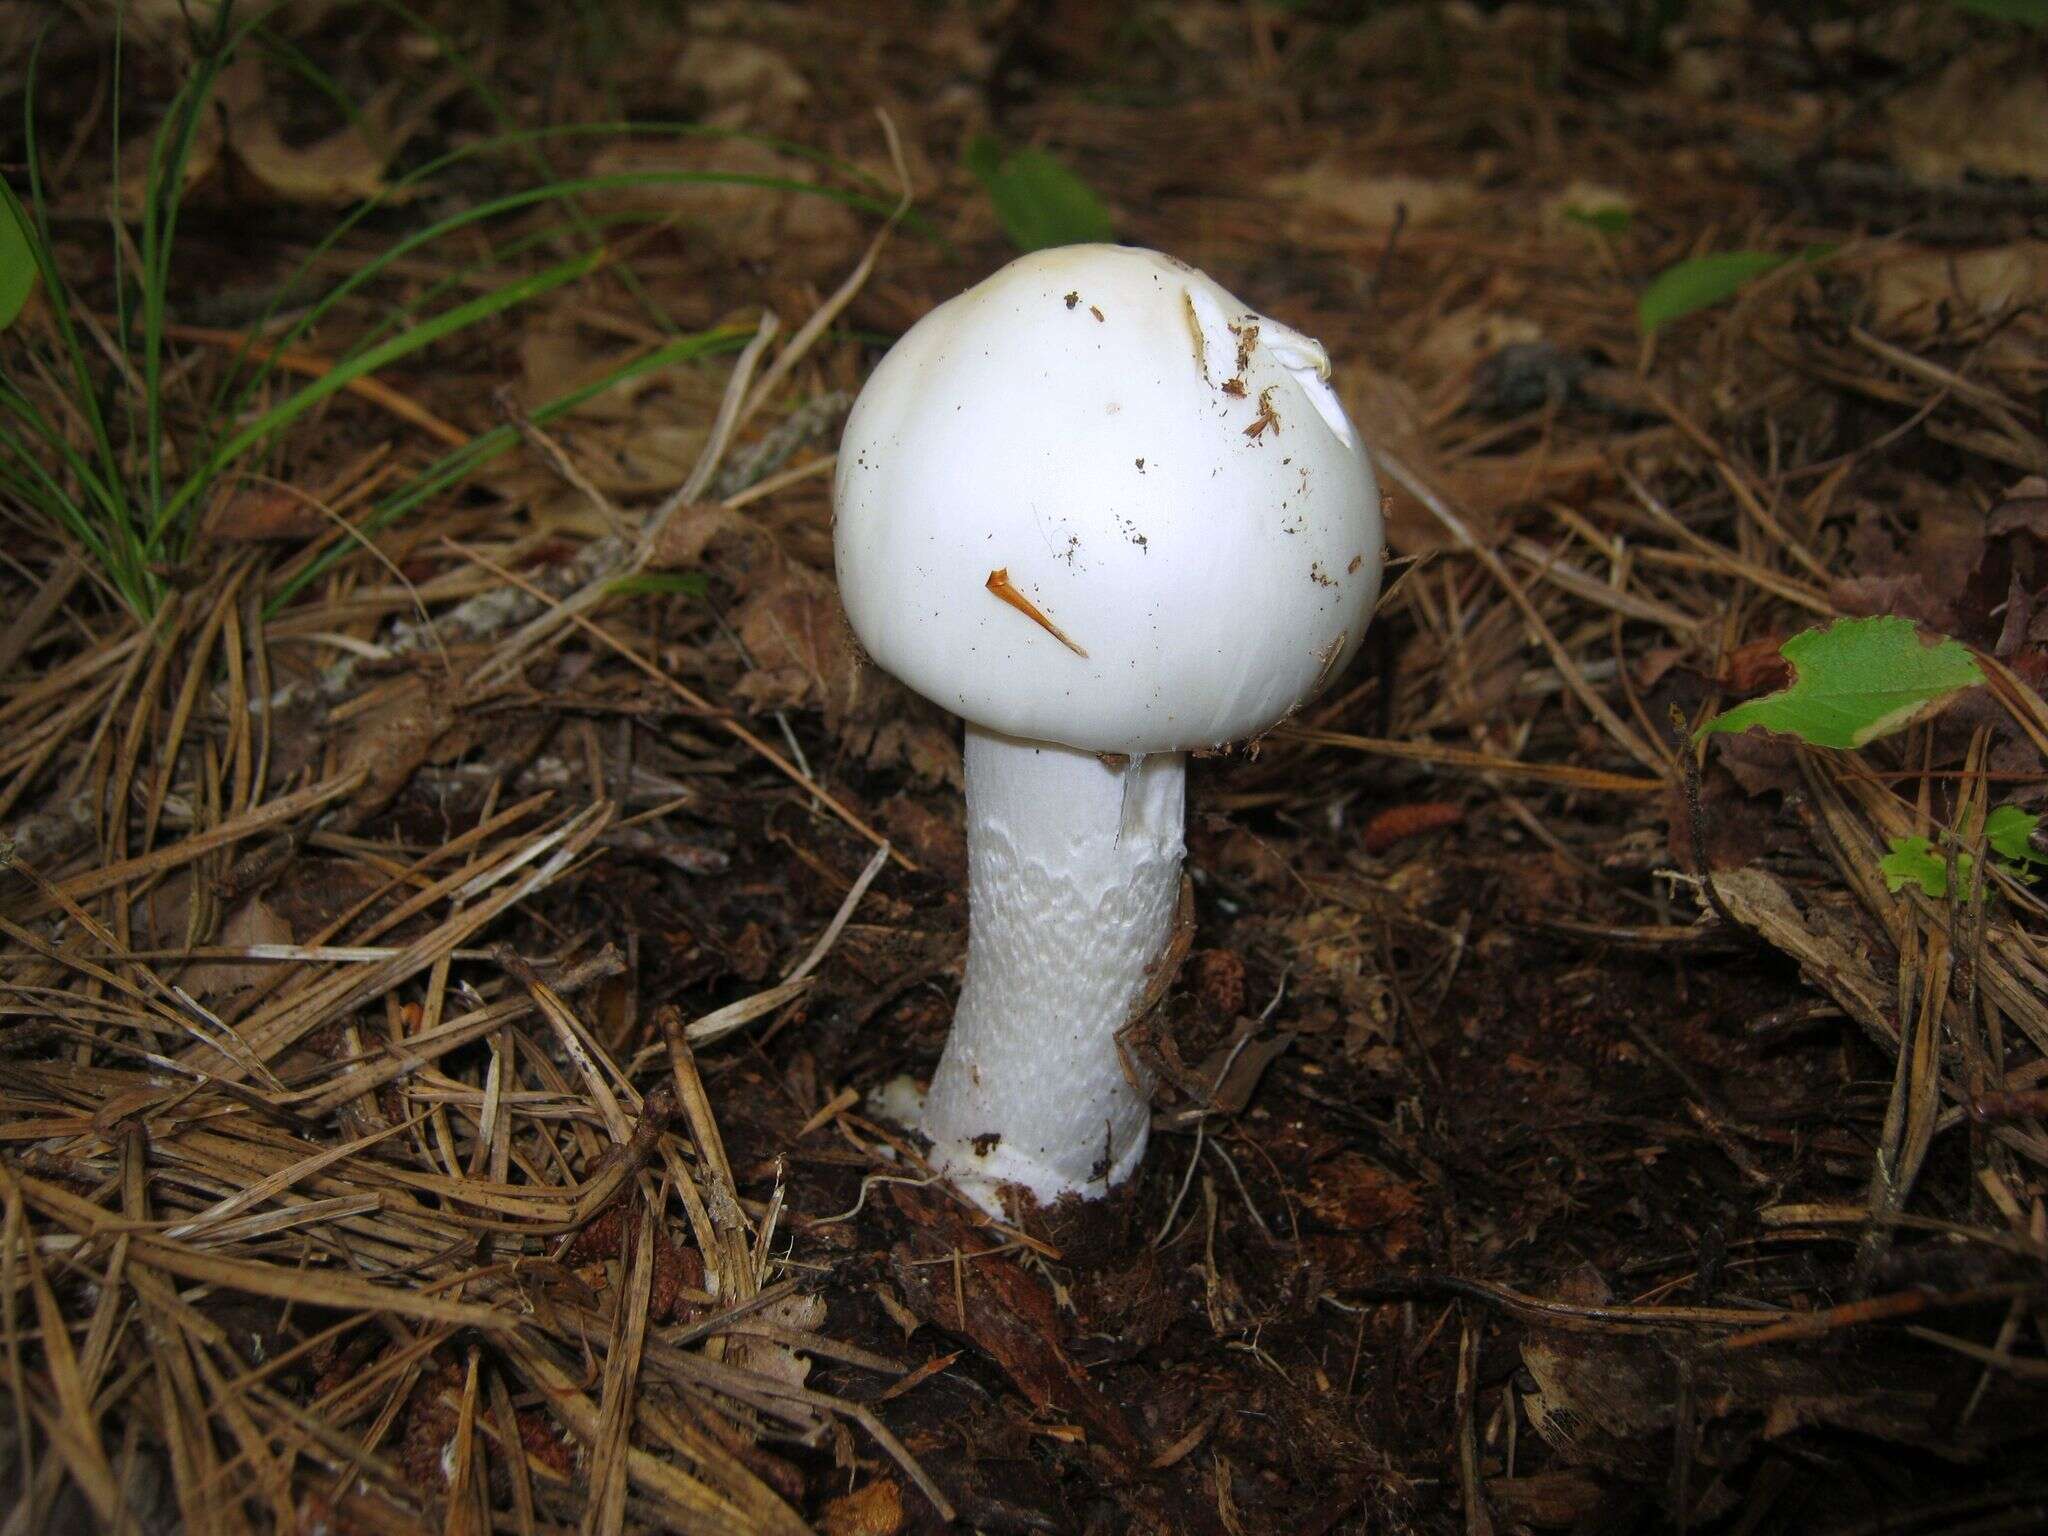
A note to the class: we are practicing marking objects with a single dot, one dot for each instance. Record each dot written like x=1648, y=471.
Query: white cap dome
x=1165, y=476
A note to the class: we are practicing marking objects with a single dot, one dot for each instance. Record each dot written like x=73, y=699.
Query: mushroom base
x=1073, y=879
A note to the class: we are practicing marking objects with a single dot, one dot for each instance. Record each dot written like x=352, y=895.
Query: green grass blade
x=164, y=196
x=1038, y=201
x=55, y=293
x=295, y=60
x=367, y=271
x=17, y=406
x=661, y=584
x=876, y=200
x=424, y=335
x=233, y=396
x=495, y=104
x=38, y=488
x=494, y=258
x=18, y=265
x=23, y=472
x=2027, y=13
x=1700, y=283
x=456, y=465
x=106, y=481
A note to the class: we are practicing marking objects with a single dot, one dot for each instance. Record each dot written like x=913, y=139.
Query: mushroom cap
x=1165, y=479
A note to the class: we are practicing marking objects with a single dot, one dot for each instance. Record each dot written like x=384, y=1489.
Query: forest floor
x=446, y=942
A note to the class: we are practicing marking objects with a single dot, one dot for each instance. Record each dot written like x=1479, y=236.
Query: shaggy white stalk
x=1073, y=878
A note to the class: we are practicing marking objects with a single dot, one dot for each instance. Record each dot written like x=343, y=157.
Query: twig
x=1560, y=1314
x=1478, y=1518
x=1696, y=822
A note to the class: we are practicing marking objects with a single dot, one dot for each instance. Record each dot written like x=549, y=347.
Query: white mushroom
x=1107, y=514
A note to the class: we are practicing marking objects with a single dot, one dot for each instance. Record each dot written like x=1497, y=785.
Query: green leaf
x=2010, y=830
x=1610, y=220
x=1916, y=861
x=2028, y=13
x=661, y=584
x=1038, y=201
x=1855, y=681
x=17, y=263
x=1700, y=283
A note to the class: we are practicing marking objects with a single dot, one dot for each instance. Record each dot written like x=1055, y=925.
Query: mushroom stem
x=1073, y=879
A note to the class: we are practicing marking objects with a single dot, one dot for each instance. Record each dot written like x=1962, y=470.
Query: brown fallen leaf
x=1461, y=339
x=935, y=836
x=1354, y=1195
x=201, y=161
x=1737, y=832
x=802, y=1311
x=1755, y=667
x=344, y=167
x=922, y=742
x=742, y=83
x=2024, y=509
x=805, y=656
x=241, y=119
x=1918, y=291
x=1985, y=114
x=873, y=1509
x=1550, y=1501
x=1374, y=201
x=174, y=24
x=393, y=739
x=1010, y=1315
x=803, y=652
x=253, y=922
x=1233, y=1069
x=1604, y=1400
x=556, y=358
x=1924, y=576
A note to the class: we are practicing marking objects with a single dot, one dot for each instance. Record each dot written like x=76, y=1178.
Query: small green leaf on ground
x=2028, y=13
x=1038, y=201
x=1608, y=221
x=661, y=584
x=17, y=262
x=1700, y=283
x=1855, y=681
x=1916, y=861
x=2010, y=831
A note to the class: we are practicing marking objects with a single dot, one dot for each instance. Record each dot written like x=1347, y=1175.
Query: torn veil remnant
x=990, y=454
